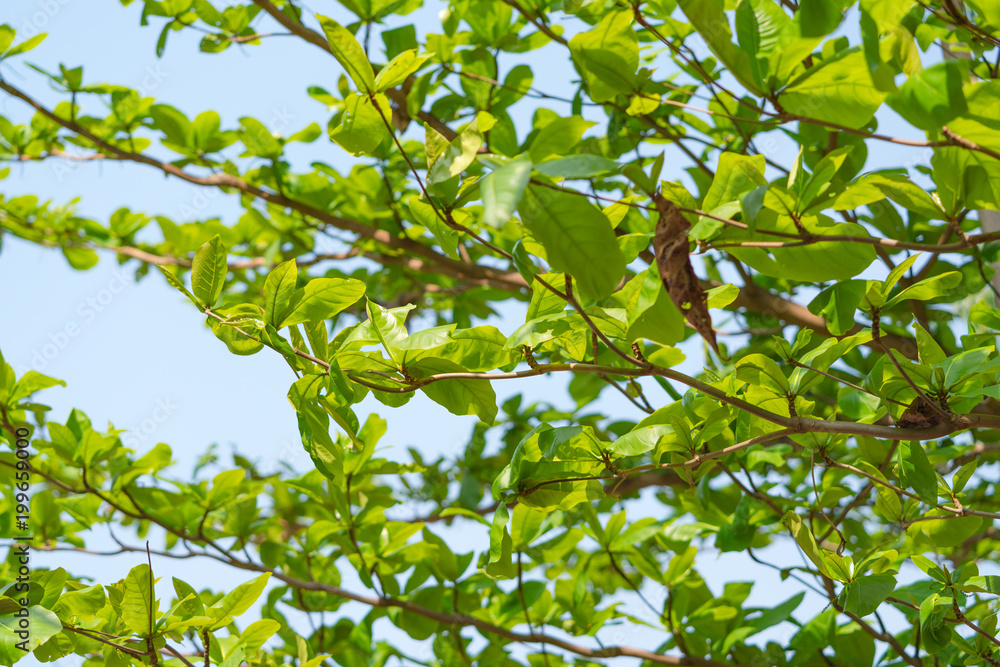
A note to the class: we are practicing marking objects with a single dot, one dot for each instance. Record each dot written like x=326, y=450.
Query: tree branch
x=439, y=263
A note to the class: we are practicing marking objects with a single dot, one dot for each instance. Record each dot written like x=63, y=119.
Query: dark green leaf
x=577, y=237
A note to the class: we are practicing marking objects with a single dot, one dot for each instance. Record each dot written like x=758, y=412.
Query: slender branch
x=841, y=380
x=97, y=637
x=454, y=619
x=316, y=39
x=537, y=21
x=440, y=262
x=895, y=489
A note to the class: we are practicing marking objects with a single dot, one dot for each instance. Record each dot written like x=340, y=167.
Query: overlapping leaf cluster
x=848, y=415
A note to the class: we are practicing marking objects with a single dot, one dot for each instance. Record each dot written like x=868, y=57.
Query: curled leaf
x=670, y=243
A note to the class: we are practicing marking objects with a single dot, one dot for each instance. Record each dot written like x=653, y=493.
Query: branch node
x=529, y=357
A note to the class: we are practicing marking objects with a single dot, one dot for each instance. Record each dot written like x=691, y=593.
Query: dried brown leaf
x=920, y=414
x=670, y=244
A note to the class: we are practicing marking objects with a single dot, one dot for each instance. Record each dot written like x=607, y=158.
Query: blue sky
x=138, y=355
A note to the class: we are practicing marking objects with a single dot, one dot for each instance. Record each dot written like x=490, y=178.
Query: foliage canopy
x=846, y=411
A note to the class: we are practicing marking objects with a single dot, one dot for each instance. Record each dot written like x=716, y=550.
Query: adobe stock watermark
x=44, y=12
x=284, y=460
x=38, y=18
x=86, y=311
x=135, y=436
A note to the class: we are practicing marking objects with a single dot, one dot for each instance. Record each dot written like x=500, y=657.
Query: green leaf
x=458, y=156
x=819, y=18
x=722, y=296
x=838, y=91
x=929, y=352
x=523, y=262
x=349, y=53
x=638, y=441
x=321, y=299
x=397, y=71
x=895, y=275
x=459, y=396
x=965, y=178
x=138, y=607
x=841, y=567
x=82, y=604
x=278, y=289
x=916, y=471
x=245, y=317
x=761, y=371
x=963, y=475
x=6, y=37
x=738, y=534
x=887, y=14
x=838, y=304
x=477, y=350
x=257, y=633
x=208, y=272
x=935, y=633
x=387, y=327
x=176, y=282
x=748, y=37
x=31, y=382
x=735, y=176
x=949, y=531
x=886, y=218
x=608, y=56
x=931, y=97
x=499, y=564
x=43, y=624
x=908, y=194
x=989, y=583
x=887, y=501
x=80, y=259
x=503, y=189
x=360, y=128
x=237, y=601
x=306, y=135
x=577, y=237
x=817, y=262
x=558, y=137
x=651, y=312
x=853, y=646
x=314, y=428
x=711, y=22
x=173, y=124
x=806, y=541
x=368, y=438
x=577, y=166
x=928, y=288
x=929, y=567
x=641, y=104
x=527, y=522
x=784, y=42
x=399, y=39
x=426, y=215
x=26, y=45
x=205, y=127
x=258, y=139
